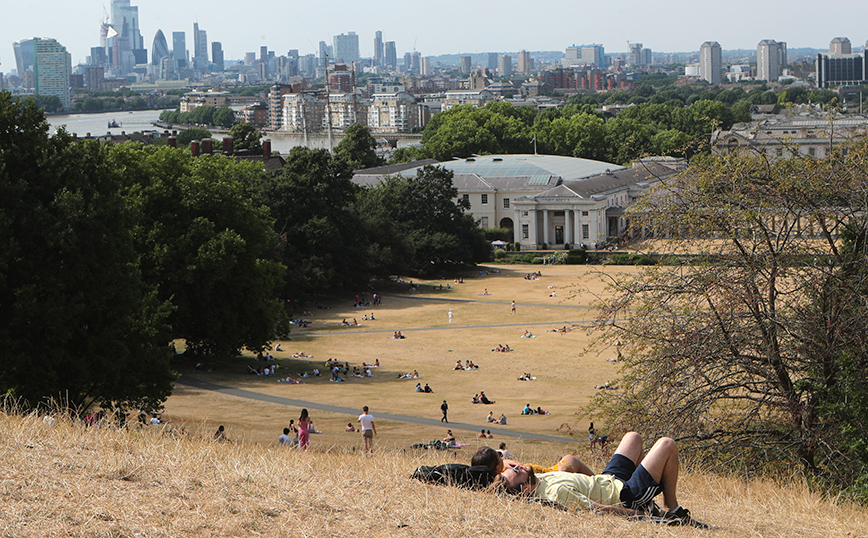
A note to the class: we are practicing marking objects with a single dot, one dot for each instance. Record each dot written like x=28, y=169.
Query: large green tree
x=205, y=246
x=752, y=348
x=357, y=148
x=79, y=324
x=417, y=227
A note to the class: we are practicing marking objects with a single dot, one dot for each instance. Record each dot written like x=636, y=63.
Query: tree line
x=110, y=252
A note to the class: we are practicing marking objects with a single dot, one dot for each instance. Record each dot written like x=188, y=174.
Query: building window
x=586, y=234
x=524, y=213
x=484, y=199
x=483, y=222
x=466, y=198
x=812, y=152
x=506, y=203
x=584, y=213
x=524, y=231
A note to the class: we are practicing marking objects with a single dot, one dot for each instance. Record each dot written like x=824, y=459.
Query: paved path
x=242, y=393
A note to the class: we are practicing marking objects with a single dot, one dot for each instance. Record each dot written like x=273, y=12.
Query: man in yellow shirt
x=627, y=485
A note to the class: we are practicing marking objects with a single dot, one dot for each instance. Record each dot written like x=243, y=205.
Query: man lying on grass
x=627, y=486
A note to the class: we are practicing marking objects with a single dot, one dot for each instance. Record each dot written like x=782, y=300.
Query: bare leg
x=631, y=447
x=572, y=464
x=661, y=462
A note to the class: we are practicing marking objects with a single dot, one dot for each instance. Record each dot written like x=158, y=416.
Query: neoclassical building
x=548, y=201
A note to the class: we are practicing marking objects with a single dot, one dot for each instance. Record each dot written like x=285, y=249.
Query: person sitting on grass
x=350, y=427
x=627, y=486
x=490, y=417
x=481, y=434
x=502, y=420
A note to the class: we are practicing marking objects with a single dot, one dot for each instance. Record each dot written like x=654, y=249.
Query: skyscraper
x=525, y=64
x=217, y=55
x=464, y=64
x=126, y=37
x=379, y=52
x=594, y=55
x=200, y=46
x=179, y=48
x=504, y=65
x=771, y=59
x=346, y=47
x=391, y=55
x=710, y=62
x=840, y=45
x=160, y=49
x=52, y=66
x=492, y=61
x=24, y=55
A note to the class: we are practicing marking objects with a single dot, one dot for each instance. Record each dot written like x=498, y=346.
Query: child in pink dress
x=303, y=430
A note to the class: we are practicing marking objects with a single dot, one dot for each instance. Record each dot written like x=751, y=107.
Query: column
x=516, y=227
x=568, y=228
x=577, y=226
x=532, y=228
x=546, y=227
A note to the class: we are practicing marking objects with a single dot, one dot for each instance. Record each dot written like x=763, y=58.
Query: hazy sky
x=446, y=26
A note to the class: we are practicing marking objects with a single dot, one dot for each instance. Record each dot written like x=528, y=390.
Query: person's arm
x=373, y=427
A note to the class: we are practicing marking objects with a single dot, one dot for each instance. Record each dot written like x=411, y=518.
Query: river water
x=97, y=124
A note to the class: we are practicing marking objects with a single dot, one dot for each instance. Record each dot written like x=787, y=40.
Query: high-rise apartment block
x=840, y=45
x=52, y=67
x=464, y=63
x=492, y=61
x=525, y=63
x=771, y=59
x=710, y=62
x=504, y=65
x=346, y=47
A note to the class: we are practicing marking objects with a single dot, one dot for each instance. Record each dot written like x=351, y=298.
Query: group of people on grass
x=491, y=419
x=481, y=398
x=528, y=410
x=468, y=365
x=297, y=434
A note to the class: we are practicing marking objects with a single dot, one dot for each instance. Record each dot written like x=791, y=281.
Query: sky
x=445, y=26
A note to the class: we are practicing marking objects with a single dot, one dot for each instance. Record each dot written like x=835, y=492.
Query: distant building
x=841, y=67
x=379, y=57
x=346, y=48
x=393, y=113
x=805, y=130
x=771, y=59
x=477, y=98
x=710, y=62
x=192, y=100
x=52, y=67
x=594, y=55
x=464, y=64
x=200, y=47
x=179, y=48
x=160, y=48
x=504, y=65
x=25, y=52
x=256, y=115
x=492, y=61
x=391, y=55
x=217, y=55
x=525, y=63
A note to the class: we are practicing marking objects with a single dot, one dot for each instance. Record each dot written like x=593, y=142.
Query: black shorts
x=639, y=489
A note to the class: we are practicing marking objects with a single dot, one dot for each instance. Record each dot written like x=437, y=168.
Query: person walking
x=513, y=308
x=445, y=408
x=450, y=315
x=303, y=430
x=369, y=430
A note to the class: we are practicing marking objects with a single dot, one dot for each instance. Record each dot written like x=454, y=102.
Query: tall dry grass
x=68, y=480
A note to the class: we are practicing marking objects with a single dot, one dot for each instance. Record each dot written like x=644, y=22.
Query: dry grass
x=67, y=480
x=70, y=481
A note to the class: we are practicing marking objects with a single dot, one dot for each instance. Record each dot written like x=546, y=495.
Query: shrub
x=517, y=246
x=498, y=234
x=499, y=254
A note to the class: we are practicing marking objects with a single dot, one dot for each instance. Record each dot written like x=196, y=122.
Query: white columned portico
x=577, y=226
x=546, y=227
x=568, y=228
x=516, y=227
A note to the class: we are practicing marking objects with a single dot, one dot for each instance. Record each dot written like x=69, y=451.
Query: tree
x=246, y=137
x=205, y=246
x=416, y=226
x=224, y=117
x=753, y=346
x=80, y=326
x=357, y=148
x=193, y=133
x=320, y=237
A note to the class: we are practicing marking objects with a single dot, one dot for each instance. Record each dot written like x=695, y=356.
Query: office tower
x=391, y=55
x=52, y=66
x=840, y=45
x=346, y=47
x=379, y=50
x=771, y=59
x=492, y=61
x=416, y=61
x=842, y=69
x=24, y=55
x=160, y=48
x=124, y=36
x=594, y=55
x=200, y=47
x=97, y=56
x=425, y=66
x=249, y=58
x=525, y=64
x=464, y=64
x=645, y=57
x=93, y=77
x=710, y=62
x=504, y=65
x=179, y=48
x=408, y=61
x=217, y=55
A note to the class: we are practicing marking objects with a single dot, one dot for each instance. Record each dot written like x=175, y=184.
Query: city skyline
x=489, y=27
